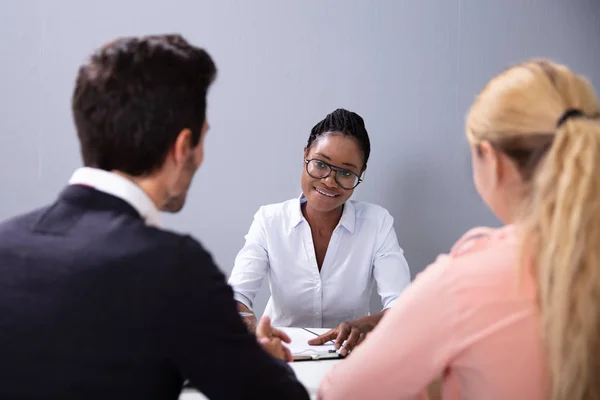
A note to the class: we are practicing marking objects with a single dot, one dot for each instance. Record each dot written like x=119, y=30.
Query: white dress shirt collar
x=348, y=219
x=118, y=186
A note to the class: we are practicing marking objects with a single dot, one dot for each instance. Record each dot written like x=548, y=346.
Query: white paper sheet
x=300, y=338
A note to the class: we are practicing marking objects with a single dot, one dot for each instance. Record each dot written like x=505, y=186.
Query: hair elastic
x=570, y=113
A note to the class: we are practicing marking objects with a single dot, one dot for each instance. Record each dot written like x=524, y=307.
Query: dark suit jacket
x=94, y=304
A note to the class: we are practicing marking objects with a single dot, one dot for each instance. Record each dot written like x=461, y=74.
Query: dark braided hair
x=347, y=123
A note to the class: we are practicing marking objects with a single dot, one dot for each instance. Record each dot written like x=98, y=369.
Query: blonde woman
x=512, y=313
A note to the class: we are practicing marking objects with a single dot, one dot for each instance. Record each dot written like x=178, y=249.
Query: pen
x=316, y=334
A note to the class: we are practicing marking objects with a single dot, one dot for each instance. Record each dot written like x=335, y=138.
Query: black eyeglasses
x=320, y=170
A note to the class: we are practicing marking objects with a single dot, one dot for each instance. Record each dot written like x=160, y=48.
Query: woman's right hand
x=250, y=322
x=247, y=316
x=272, y=339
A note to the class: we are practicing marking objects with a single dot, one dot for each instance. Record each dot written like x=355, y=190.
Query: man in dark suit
x=96, y=300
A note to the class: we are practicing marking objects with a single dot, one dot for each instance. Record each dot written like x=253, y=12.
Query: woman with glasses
x=323, y=252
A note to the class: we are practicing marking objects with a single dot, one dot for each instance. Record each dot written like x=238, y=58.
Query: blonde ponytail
x=564, y=228
x=518, y=113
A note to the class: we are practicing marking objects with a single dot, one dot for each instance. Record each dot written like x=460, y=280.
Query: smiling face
x=341, y=152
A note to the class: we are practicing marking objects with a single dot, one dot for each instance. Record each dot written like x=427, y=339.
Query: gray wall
x=410, y=68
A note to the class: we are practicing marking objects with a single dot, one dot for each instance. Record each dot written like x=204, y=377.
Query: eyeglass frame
x=332, y=169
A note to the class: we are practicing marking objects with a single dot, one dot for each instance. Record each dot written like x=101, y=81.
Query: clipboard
x=330, y=355
x=302, y=351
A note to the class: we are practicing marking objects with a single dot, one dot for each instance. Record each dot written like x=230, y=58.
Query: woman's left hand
x=349, y=334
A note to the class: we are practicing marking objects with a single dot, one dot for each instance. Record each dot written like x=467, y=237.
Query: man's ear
x=182, y=146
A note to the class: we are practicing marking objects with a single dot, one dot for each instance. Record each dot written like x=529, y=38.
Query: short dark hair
x=133, y=98
x=347, y=123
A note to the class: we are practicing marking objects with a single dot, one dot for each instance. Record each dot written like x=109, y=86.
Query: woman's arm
x=408, y=349
x=249, y=270
x=248, y=316
x=390, y=268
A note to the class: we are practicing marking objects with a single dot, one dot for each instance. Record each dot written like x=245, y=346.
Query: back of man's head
x=134, y=97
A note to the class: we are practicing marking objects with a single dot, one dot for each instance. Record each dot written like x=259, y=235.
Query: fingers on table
x=324, y=338
x=351, y=342
x=344, y=331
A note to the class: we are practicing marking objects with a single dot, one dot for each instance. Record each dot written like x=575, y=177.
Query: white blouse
x=363, y=250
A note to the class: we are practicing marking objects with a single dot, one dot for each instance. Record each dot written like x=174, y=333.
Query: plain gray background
x=410, y=68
